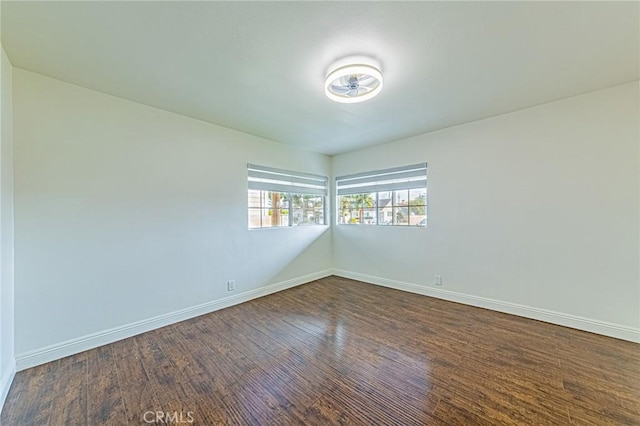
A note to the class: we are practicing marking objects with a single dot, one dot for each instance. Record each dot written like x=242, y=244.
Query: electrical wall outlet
x=231, y=285
x=438, y=280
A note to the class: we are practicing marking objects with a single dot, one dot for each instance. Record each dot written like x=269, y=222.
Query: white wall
x=7, y=360
x=125, y=212
x=537, y=208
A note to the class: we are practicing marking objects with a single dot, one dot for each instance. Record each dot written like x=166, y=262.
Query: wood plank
x=69, y=401
x=137, y=392
x=104, y=395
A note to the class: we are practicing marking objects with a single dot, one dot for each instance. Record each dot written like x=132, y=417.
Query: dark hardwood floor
x=337, y=351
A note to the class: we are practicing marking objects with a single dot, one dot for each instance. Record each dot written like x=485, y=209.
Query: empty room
x=319, y=213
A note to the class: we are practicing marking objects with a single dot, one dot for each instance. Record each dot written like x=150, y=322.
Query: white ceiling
x=259, y=67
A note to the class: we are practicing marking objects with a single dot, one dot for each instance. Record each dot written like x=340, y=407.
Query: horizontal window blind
x=276, y=180
x=407, y=177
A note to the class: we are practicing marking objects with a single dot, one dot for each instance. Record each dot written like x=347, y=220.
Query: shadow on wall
x=287, y=253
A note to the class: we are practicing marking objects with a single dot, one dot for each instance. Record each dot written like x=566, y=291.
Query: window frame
x=372, y=183
x=289, y=183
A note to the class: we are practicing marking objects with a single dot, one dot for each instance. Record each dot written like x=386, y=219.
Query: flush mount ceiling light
x=353, y=83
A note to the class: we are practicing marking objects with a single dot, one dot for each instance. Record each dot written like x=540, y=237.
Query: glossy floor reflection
x=338, y=351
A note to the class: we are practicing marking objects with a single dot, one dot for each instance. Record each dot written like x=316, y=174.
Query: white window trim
x=394, y=179
x=262, y=178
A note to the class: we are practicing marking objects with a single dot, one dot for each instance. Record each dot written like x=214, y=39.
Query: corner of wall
x=5, y=382
x=7, y=348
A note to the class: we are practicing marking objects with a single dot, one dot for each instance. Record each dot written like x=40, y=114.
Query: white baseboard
x=70, y=347
x=559, y=318
x=5, y=383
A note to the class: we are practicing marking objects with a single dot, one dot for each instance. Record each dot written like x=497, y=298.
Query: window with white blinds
x=396, y=196
x=285, y=198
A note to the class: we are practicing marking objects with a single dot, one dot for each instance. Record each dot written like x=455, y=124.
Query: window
x=395, y=196
x=285, y=198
